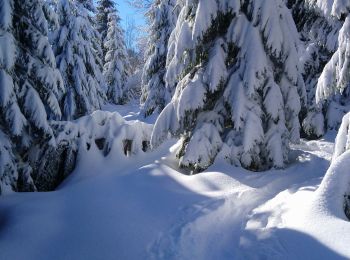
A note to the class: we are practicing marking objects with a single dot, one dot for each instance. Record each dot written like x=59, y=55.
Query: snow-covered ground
x=144, y=207
x=131, y=111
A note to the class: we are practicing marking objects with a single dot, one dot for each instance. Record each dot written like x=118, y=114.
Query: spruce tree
x=117, y=68
x=162, y=16
x=239, y=88
x=75, y=45
x=318, y=35
x=30, y=90
x=104, y=8
x=329, y=101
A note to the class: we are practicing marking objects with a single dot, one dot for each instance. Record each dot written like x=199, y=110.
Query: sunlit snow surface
x=144, y=207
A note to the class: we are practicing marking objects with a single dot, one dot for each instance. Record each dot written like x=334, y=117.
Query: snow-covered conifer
x=333, y=87
x=162, y=15
x=239, y=89
x=30, y=90
x=75, y=45
x=104, y=8
x=335, y=8
x=320, y=23
x=117, y=68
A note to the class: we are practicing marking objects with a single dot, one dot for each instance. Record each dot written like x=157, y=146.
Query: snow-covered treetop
x=336, y=8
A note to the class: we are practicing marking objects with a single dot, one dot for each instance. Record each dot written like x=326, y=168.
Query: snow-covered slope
x=324, y=214
x=144, y=207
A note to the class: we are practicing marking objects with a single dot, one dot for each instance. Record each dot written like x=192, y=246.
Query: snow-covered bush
x=30, y=89
x=76, y=46
x=239, y=89
x=162, y=15
x=107, y=132
x=101, y=132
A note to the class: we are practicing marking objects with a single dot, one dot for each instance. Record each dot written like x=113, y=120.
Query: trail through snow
x=144, y=208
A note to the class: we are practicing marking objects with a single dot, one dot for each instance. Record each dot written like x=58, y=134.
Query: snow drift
x=101, y=132
x=332, y=197
x=106, y=132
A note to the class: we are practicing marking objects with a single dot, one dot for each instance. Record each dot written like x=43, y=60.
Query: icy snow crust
x=143, y=207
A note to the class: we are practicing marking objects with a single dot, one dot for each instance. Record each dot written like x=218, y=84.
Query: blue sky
x=125, y=10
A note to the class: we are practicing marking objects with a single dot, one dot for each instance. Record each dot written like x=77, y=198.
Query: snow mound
x=142, y=207
x=107, y=132
x=321, y=214
x=332, y=197
x=335, y=187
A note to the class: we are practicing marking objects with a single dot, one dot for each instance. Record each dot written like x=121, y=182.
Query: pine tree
x=30, y=90
x=117, y=68
x=239, y=89
x=75, y=45
x=162, y=16
x=319, y=37
x=329, y=101
x=97, y=44
x=333, y=87
x=104, y=8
